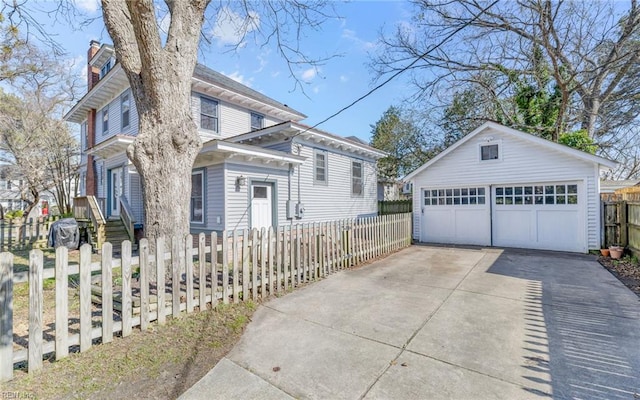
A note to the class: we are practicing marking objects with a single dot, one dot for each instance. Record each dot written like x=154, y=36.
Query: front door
x=261, y=205
x=115, y=191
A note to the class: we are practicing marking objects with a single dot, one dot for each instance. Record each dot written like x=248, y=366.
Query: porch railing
x=87, y=208
x=126, y=215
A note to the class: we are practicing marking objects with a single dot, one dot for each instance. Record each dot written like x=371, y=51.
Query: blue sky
x=326, y=89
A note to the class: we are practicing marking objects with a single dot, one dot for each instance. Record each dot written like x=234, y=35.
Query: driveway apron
x=442, y=323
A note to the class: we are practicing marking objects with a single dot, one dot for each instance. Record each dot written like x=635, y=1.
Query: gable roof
x=569, y=151
x=208, y=75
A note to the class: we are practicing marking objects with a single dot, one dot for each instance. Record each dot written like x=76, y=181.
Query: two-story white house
x=259, y=166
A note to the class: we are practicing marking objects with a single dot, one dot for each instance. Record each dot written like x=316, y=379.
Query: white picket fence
x=245, y=264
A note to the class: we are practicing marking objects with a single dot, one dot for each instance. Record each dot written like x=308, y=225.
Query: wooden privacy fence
x=621, y=224
x=394, y=207
x=19, y=234
x=239, y=265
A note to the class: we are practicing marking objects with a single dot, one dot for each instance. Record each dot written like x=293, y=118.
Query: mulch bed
x=627, y=270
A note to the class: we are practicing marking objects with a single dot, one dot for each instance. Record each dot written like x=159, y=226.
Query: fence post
x=107, y=294
x=6, y=317
x=62, y=303
x=236, y=274
x=271, y=259
x=175, y=276
x=279, y=259
x=254, y=265
x=35, y=310
x=263, y=260
x=160, y=280
x=225, y=267
x=188, y=257
x=85, y=297
x=202, y=269
x=214, y=269
x=125, y=255
x=245, y=263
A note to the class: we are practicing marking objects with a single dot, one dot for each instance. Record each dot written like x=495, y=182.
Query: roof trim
x=251, y=151
x=111, y=146
x=522, y=135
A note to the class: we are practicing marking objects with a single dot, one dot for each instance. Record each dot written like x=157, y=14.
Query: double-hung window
x=125, y=106
x=257, y=121
x=105, y=69
x=197, y=196
x=320, y=165
x=105, y=120
x=356, y=179
x=208, y=114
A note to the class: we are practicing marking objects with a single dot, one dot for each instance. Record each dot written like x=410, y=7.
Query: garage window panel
x=454, y=196
x=536, y=194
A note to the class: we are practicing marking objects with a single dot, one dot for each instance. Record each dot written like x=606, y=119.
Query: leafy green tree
x=579, y=140
x=397, y=133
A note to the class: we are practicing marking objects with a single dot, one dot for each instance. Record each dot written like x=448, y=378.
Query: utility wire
x=414, y=62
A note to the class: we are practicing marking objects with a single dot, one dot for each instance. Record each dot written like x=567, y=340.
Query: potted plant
x=616, y=252
x=604, y=252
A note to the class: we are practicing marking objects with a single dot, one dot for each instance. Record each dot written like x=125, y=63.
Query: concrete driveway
x=430, y=322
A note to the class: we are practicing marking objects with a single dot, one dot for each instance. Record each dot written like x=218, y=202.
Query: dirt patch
x=160, y=363
x=627, y=270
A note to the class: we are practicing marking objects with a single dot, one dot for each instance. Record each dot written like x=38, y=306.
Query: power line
x=414, y=62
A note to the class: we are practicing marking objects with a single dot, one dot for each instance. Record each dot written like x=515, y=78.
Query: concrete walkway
x=445, y=323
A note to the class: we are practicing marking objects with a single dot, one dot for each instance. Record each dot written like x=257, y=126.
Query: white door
x=458, y=215
x=261, y=206
x=548, y=216
x=115, y=191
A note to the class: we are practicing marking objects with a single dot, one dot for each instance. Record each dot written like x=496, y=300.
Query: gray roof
x=209, y=75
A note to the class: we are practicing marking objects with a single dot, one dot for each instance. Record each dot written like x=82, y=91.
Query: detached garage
x=498, y=186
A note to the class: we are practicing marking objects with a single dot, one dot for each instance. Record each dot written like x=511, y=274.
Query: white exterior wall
x=214, y=199
x=521, y=162
x=233, y=120
x=333, y=200
x=115, y=119
x=237, y=211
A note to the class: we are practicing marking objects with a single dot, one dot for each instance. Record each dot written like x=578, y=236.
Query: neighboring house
x=390, y=190
x=610, y=186
x=259, y=165
x=498, y=186
x=11, y=196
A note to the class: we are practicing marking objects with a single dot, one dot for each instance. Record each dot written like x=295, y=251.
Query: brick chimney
x=93, y=76
x=93, y=73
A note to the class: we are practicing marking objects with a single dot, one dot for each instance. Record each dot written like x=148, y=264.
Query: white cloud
x=230, y=27
x=316, y=89
x=90, y=6
x=353, y=37
x=238, y=77
x=344, y=78
x=262, y=61
x=275, y=74
x=308, y=74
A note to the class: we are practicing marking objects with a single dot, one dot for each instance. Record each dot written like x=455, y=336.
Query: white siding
x=115, y=119
x=237, y=198
x=214, y=201
x=334, y=200
x=521, y=161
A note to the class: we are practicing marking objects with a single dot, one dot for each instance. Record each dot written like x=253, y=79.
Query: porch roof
x=113, y=146
x=291, y=129
x=215, y=151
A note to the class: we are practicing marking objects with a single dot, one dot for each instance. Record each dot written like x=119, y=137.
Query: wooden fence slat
x=225, y=267
x=271, y=251
x=107, y=294
x=308, y=252
x=298, y=256
x=263, y=261
x=236, y=274
x=126, y=314
x=62, y=303
x=291, y=256
x=175, y=278
x=279, y=259
x=254, y=264
x=144, y=284
x=285, y=256
x=160, y=281
x=304, y=245
x=246, y=257
x=6, y=317
x=36, y=299
x=202, y=269
x=214, y=269
x=85, y=297
x=188, y=245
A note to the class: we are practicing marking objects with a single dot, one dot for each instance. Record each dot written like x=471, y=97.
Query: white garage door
x=458, y=215
x=546, y=216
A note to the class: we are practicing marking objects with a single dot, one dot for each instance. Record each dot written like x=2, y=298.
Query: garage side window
x=537, y=194
x=454, y=196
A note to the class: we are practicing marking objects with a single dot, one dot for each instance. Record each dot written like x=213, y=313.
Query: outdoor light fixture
x=241, y=181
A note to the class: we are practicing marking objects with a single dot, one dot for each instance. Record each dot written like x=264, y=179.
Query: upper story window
x=320, y=164
x=105, y=69
x=125, y=106
x=105, y=120
x=257, y=121
x=208, y=114
x=356, y=179
x=489, y=152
